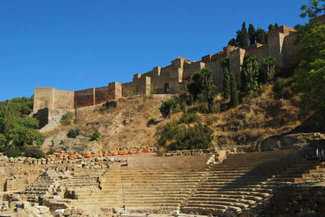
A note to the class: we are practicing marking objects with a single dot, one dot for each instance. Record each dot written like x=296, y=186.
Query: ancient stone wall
x=258, y=50
x=275, y=43
x=84, y=98
x=43, y=98
x=281, y=45
x=63, y=99
x=236, y=59
x=129, y=89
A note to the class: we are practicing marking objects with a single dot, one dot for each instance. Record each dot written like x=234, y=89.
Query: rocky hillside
x=265, y=122
x=131, y=124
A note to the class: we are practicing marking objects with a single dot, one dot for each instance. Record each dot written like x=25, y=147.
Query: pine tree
x=234, y=101
x=226, y=84
x=251, y=34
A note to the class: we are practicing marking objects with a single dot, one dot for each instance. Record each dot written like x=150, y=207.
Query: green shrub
x=108, y=106
x=167, y=106
x=73, y=133
x=188, y=118
x=96, y=136
x=181, y=137
x=66, y=118
x=51, y=151
x=169, y=133
x=196, y=137
x=2, y=140
x=285, y=87
x=12, y=151
x=33, y=152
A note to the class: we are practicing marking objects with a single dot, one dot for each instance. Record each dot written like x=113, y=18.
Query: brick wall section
x=103, y=93
x=129, y=89
x=84, y=98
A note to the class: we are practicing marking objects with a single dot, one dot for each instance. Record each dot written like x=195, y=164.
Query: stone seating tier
x=161, y=184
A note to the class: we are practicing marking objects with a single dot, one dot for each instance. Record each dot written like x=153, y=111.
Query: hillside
x=138, y=122
x=124, y=126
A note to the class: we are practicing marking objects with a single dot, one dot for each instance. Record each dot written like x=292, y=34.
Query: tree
x=242, y=36
x=233, y=42
x=314, y=9
x=250, y=73
x=261, y=36
x=251, y=34
x=311, y=70
x=226, y=84
x=268, y=65
x=167, y=106
x=203, y=90
x=271, y=27
x=226, y=78
x=16, y=128
x=234, y=101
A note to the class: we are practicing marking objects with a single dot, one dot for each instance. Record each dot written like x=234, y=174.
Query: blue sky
x=78, y=44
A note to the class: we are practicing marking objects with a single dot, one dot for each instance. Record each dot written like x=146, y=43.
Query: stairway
x=42, y=185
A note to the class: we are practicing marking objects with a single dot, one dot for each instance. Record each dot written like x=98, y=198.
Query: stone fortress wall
x=163, y=80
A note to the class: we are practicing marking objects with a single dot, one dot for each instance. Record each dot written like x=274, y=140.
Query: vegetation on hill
x=17, y=129
x=245, y=38
x=186, y=133
x=311, y=69
x=313, y=9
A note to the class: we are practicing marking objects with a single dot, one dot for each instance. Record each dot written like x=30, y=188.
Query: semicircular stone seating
x=245, y=181
x=163, y=184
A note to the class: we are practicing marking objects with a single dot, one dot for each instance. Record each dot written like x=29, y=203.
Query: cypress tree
x=226, y=84
x=261, y=36
x=251, y=34
x=244, y=36
x=233, y=42
x=271, y=27
x=234, y=101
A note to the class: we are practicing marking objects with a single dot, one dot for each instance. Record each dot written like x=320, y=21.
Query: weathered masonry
x=164, y=80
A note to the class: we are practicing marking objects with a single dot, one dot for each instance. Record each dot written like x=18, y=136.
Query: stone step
x=223, y=199
x=261, y=190
x=211, y=203
x=211, y=208
x=236, y=194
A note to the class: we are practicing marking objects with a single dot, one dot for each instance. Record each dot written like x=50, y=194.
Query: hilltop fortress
x=163, y=80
